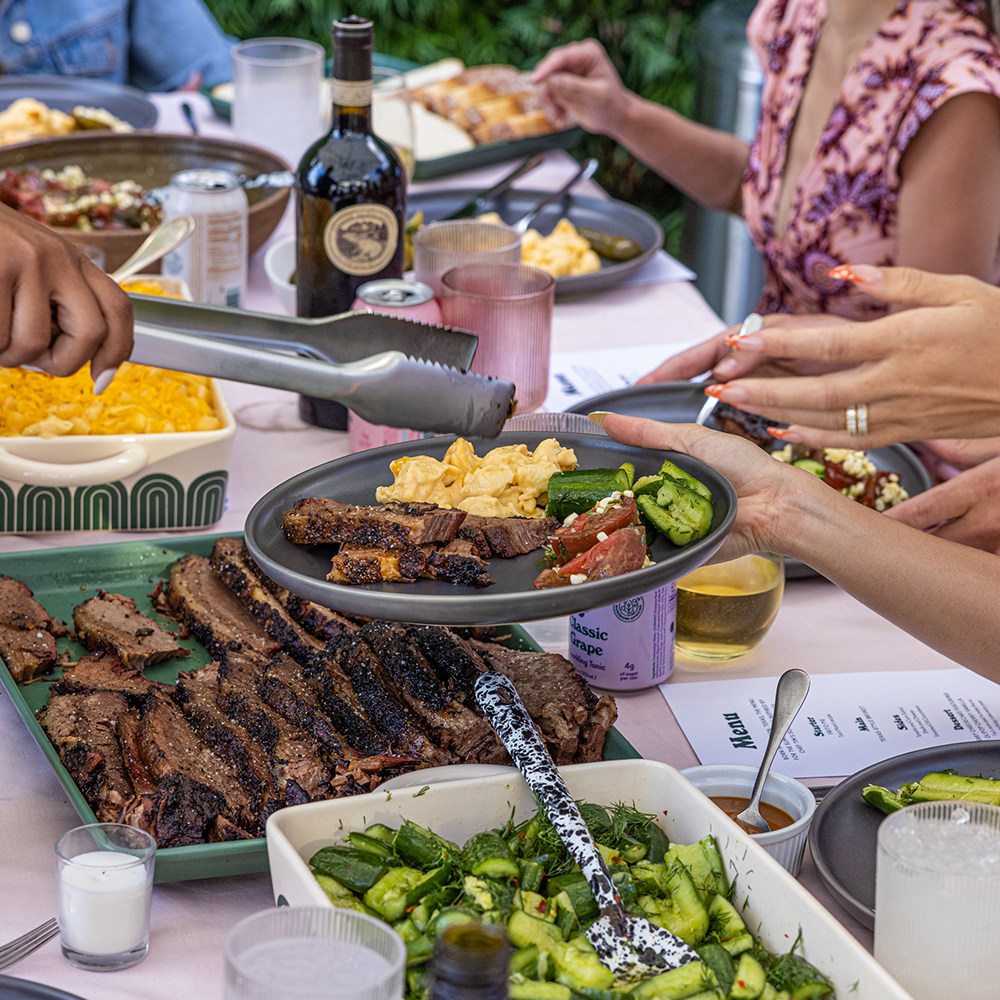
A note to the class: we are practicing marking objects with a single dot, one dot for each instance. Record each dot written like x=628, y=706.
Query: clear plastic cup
x=105, y=887
x=277, y=94
x=509, y=307
x=313, y=952
x=937, y=899
x=440, y=246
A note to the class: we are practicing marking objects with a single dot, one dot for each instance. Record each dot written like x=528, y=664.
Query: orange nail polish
x=715, y=390
x=843, y=273
x=785, y=434
x=732, y=339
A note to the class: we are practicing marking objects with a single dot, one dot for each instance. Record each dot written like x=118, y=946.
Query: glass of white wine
x=725, y=609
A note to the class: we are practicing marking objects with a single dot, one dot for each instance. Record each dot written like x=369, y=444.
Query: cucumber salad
x=520, y=877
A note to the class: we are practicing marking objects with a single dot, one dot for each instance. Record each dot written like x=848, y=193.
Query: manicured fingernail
x=751, y=342
x=104, y=380
x=597, y=416
x=727, y=393
x=33, y=368
x=785, y=434
x=725, y=367
x=859, y=273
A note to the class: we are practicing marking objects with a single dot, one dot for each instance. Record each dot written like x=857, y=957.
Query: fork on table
x=21, y=947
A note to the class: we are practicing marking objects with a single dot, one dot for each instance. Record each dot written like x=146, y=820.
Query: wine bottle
x=350, y=201
x=470, y=962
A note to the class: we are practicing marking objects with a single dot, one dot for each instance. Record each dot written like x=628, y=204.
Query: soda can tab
x=627, y=646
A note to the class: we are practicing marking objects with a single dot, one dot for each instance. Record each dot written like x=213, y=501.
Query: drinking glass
x=313, y=952
x=276, y=94
x=105, y=887
x=937, y=899
x=509, y=306
x=440, y=246
x=392, y=115
x=725, y=609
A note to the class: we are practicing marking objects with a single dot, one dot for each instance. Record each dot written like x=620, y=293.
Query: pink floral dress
x=844, y=209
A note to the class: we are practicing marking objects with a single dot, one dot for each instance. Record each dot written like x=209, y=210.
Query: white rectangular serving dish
x=777, y=907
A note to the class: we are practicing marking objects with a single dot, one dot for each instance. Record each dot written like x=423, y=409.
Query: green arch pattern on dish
x=100, y=508
x=206, y=499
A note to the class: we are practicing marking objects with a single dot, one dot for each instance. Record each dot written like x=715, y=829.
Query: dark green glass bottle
x=470, y=962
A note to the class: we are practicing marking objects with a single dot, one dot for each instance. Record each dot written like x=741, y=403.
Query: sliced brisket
x=315, y=521
x=105, y=672
x=507, y=537
x=114, y=622
x=457, y=562
x=27, y=632
x=356, y=566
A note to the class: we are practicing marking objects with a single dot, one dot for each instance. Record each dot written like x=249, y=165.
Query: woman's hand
x=770, y=492
x=42, y=277
x=582, y=87
x=726, y=363
x=923, y=373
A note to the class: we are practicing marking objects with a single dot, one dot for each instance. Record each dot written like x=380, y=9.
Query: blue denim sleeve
x=152, y=44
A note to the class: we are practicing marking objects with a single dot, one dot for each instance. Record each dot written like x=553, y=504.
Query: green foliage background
x=650, y=41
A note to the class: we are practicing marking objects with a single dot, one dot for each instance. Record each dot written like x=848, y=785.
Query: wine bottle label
x=361, y=239
x=352, y=93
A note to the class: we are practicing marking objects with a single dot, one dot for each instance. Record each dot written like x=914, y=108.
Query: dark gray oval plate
x=842, y=838
x=302, y=569
x=65, y=92
x=26, y=989
x=605, y=214
x=680, y=402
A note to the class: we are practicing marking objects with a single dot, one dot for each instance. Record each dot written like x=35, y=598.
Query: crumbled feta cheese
x=578, y=578
x=617, y=495
x=855, y=463
x=892, y=494
x=629, y=494
x=602, y=536
x=570, y=518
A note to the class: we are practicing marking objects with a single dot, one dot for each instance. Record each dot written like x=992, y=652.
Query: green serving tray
x=63, y=578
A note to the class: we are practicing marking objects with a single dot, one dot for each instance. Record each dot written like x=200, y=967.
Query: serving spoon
x=165, y=237
x=631, y=947
x=793, y=686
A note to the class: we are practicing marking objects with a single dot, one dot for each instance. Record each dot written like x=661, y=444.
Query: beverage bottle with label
x=350, y=200
x=470, y=962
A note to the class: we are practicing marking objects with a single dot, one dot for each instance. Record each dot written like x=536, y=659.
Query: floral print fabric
x=844, y=209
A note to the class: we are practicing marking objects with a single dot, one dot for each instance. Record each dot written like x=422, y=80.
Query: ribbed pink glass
x=509, y=306
x=440, y=246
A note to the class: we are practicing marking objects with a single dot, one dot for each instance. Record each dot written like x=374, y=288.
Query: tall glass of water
x=937, y=899
x=313, y=952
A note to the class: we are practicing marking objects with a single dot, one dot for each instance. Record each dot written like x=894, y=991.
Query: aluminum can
x=396, y=297
x=213, y=261
x=629, y=645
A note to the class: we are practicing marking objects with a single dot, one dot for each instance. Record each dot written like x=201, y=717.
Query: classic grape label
x=361, y=239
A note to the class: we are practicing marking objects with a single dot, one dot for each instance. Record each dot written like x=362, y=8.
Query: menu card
x=848, y=721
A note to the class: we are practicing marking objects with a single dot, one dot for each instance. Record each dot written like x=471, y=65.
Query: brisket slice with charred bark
x=507, y=537
x=454, y=659
x=235, y=567
x=316, y=521
x=27, y=632
x=213, y=613
x=383, y=707
x=82, y=729
x=104, y=672
x=453, y=726
x=357, y=566
x=573, y=720
x=114, y=622
x=457, y=562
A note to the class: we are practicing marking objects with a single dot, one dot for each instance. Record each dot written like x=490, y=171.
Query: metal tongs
x=388, y=370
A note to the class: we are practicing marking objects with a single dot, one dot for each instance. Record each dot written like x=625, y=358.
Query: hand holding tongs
x=388, y=370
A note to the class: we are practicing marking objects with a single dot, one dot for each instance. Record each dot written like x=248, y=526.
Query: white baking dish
x=101, y=482
x=777, y=906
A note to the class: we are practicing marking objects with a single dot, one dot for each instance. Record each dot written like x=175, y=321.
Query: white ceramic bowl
x=770, y=900
x=785, y=845
x=279, y=266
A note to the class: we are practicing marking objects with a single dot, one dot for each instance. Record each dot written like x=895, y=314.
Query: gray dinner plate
x=680, y=402
x=302, y=569
x=12, y=988
x=604, y=214
x=67, y=92
x=842, y=838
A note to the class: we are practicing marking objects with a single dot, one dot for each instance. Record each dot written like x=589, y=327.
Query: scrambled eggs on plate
x=506, y=482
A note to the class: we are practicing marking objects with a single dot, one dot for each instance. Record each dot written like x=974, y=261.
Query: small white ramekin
x=279, y=266
x=786, y=845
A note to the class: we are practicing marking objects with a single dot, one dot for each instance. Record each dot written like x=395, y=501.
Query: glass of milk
x=105, y=886
x=937, y=899
x=313, y=953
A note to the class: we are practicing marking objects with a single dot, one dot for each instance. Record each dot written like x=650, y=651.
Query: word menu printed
x=848, y=721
